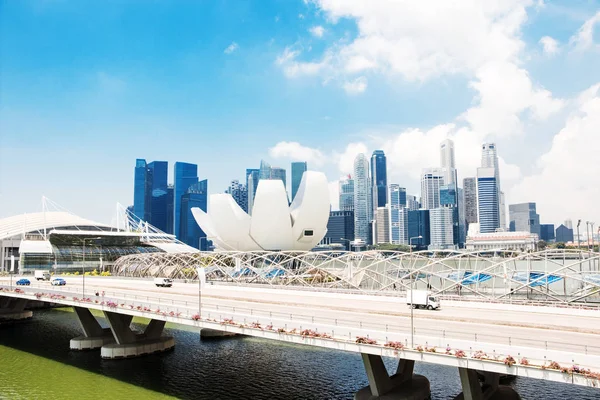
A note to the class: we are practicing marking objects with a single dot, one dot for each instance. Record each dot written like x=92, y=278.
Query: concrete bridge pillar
x=132, y=344
x=489, y=390
x=403, y=385
x=94, y=335
x=13, y=309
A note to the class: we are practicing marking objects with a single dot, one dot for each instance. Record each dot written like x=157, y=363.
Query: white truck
x=40, y=275
x=164, y=282
x=422, y=299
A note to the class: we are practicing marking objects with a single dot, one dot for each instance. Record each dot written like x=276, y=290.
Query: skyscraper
x=347, y=194
x=547, y=232
x=185, y=175
x=487, y=200
x=190, y=233
x=298, y=169
x=524, y=218
x=431, y=180
x=265, y=170
x=448, y=161
x=412, y=203
x=238, y=191
x=142, y=190
x=159, y=201
x=470, y=188
x=502, y=206
x=398, y=214
x=362, y=196
x=489, y=159
x=340, y=228
x=383, y=224
x=252, y=178
x=379, y=179
x=418, y=225
x=279, y=173
x=441, y=228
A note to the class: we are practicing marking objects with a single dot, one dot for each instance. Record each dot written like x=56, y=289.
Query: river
x=36, y=363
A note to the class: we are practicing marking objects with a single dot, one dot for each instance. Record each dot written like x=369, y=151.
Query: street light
x=578, y=237
x=412, y=307
x=587, y=233
x=83, y=263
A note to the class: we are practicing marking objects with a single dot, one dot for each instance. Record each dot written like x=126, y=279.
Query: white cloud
x=567, y=184
x=549, y=45
x=584, y=38
x=356, y=86
x=345, y=160
x=296, y=152
x=334, y=195
x=301, y=16
x=293, y=68
x=231, y=48
x=317, y=31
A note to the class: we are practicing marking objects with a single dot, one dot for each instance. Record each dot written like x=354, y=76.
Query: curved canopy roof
x=37, y=222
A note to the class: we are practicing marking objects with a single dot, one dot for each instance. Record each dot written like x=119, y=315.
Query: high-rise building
x=279, y=173
x=265, y=170
x=347, y=194
x=412, y=203
x=379, y=179
x=487, y=200
x=448, y=161
x=502, y=206
x=340, y=228
x=431, y=180
x=452, y=197
x=564, y=234
x=470, y=190
x=268, y=172
x=524, y=218
x=568, y=223
x=252, y=178
x=489, y=159
x=383, y=224
x=547, y=232
x=190, y=233
x=362, y=197
x=419, y=228
x=170, y=209
x=185, y=175
x=441, y=228
x=298, y=169
x=238, y=191
x=159, y=201
x=142, y=190
x=398, y=214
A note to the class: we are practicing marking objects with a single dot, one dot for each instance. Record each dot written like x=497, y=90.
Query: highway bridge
x=549, y=340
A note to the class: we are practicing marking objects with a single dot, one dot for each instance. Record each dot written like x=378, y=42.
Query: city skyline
x=81, y=107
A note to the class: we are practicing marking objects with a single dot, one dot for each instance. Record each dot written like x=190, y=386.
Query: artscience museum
x=274, y=224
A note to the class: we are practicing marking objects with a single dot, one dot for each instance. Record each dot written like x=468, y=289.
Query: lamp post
x=412, y=307
x=578, y=237
x=83, y=263
x=587, y=233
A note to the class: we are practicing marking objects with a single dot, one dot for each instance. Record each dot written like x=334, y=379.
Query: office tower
x=412, y=203
x=265, y=170
x=448, y=161
x=142, y=190
x=524, y=218
x=170, y=209
x=418, y=225
x=431, y=180
x=279, y=173
x=347, y=194
x=298, y=169
x=502, y=206
x=568, y=223
x=340, y=228
x=441, y=228
x=238, y=191
x=185, y=175
x=564, y=234
x=159, y=200
x=452, y=197
x=487, y=200
x=196, y=195
x=470, y=190
x=489, y=159
x=383, y=225
x=379, y=179
x=547, y=232
x=252, y=178
x=362, y=197
x=398, y=214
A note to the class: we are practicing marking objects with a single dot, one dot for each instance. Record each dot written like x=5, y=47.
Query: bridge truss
x=557, y=275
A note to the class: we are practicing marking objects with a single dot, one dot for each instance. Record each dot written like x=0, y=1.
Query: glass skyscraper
x=279, y=173
x=142, y=190
x=298, y=169
x=340, y=228
x=238, y=191
x=487, y=200
x=159, y=200
x=186, y=175
x=398, y=215
x=347, y=194
x=524, y=218
x=418, y=225
x=195, y=196
x=252, y=177
x=363, y=213
x=431, y=180
x=379, y=179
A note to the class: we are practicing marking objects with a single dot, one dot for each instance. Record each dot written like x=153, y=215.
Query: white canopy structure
x=274, y=224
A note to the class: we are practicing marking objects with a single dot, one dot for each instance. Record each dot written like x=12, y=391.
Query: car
x=58, y=282
x=164, y=282
x=23, y=282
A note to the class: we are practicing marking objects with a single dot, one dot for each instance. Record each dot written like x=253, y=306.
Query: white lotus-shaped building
x=274, y=225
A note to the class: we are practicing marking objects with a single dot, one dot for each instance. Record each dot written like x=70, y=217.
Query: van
x=163, y=282
x=42, y=275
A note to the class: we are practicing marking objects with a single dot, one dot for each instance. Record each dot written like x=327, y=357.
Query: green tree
x=561, y=245
x=542, y=244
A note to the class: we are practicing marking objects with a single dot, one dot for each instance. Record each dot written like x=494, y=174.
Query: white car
x=58, y=282
x=163, y=282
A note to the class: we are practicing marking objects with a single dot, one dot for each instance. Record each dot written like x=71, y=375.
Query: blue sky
x=88, y=87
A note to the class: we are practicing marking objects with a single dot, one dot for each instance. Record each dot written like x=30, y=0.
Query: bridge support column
x=13, y=309
x=489, y=390
x=403, y=385
x=94, y=336
x=132, y=344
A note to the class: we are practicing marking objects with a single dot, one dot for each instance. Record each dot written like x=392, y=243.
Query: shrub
x=394, y=345
x=365, y=340
x=509, y=361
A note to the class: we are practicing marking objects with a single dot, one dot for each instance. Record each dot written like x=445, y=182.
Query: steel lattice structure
x=556, y=275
